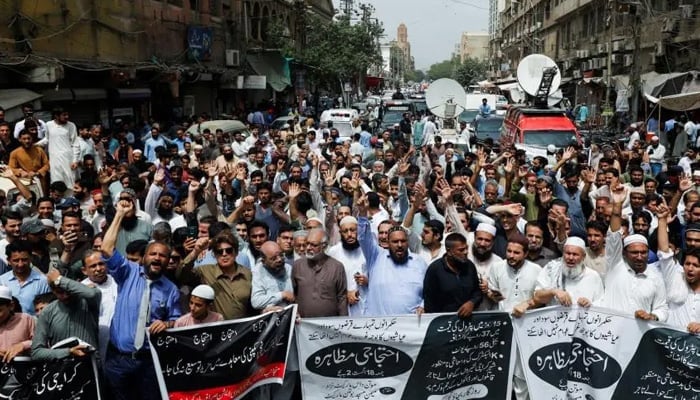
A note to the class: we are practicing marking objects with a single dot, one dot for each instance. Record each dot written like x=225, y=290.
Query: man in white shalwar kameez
x=63, y=148
x=349, y=253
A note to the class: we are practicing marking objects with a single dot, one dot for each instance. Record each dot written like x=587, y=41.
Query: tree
x=443, y=69
x=470, y=71
x=335, y=52
x=415, y=76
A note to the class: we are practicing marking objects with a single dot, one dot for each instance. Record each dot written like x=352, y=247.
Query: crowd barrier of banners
x=70, y=378
x=567, y=353
x=223, y=360
x=595, y=353
x=436, y=356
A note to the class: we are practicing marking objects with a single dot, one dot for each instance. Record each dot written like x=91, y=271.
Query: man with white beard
x=567, y=280
x=481, y=254
x=349, y=253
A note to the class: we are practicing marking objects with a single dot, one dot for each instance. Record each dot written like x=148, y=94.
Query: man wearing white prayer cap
x=349, y=253
x=567, y=280
x=630, y=286
x=481, y=254
x=201, y=300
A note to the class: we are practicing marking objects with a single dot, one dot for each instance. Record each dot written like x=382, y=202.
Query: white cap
x=348, y=220
x=5, y=293
x=633, y=239
x=488, y=228
x=552, y=148
x=48, y=223
x=137, y=151
x=633, y=126
x=204, y=292
x=575, y=241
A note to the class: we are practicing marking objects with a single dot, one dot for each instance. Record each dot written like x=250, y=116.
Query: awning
x=677, y=102
x=273, y=66
x=90, y=94
x=134, y=94
x=486, y=84
x=12, y=99
x=53, y=95
x=509, y=86
x=657, y=85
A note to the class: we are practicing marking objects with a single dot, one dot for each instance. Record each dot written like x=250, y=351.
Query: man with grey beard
x=319, y=281
x=566, y=280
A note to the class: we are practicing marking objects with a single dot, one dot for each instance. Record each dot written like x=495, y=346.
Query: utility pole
x=612, y=14
x=635, y=70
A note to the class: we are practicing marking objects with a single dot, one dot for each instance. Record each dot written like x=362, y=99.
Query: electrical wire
x=49, y=36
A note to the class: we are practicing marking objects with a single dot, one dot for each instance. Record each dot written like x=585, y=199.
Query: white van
x=341, y=118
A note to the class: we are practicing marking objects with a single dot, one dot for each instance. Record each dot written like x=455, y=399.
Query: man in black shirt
x=451, y=283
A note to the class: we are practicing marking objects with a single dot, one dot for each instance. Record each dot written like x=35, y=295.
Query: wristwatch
x=57, y=281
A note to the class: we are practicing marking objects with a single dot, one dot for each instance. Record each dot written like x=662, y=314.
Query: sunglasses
x=223, y=250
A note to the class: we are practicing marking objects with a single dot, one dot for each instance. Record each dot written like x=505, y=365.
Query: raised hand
x=509, y=165
x=618, y=193
x=568, y=153
x=685, y=183
x=194, y=186
x=545, y=195
x=446, y=194
x=294, y=190
x=212, y=169
x=159, y=177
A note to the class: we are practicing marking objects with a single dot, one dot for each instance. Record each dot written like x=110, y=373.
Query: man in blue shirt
x=484, y=108
x=395, y=275
x=24, y=281
x=146, y=301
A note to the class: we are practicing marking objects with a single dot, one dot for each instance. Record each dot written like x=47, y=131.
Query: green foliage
x=467, y=73
x=340, y=50
x=470, y=71
x=415, y=76
x=443, y=69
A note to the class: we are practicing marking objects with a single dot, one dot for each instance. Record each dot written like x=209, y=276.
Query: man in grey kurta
x=319, y=281
x=74, y=314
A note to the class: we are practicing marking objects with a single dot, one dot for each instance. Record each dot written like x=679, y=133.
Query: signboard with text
x=223, y=359
x=69, y=378
x=577, y=353
x=406, y=357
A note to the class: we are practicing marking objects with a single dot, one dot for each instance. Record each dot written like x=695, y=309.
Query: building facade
x=602, y=41
x=130, y=59
x=474, y=45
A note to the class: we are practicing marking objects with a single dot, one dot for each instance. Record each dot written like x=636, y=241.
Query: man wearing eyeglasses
x=96, y=271
x=232, y=283
x=319, y=281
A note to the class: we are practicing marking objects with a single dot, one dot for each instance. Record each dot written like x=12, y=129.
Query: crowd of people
x=136, y=229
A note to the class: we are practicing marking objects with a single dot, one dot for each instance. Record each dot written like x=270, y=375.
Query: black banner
x=223, y=359
x=23, y=379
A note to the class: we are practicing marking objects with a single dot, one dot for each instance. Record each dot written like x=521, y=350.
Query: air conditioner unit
x=617, y=58
x=566, y=65
x=686, y=11
x=618, y=45
x=629, y=59
x=233, y=58
x=565, y=46
x=585, y=53
x=602, y=48
x=577, y=74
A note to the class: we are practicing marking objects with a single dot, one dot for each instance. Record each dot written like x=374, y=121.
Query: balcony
x=567, y=7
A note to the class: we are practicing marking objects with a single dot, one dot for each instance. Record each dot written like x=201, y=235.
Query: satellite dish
x=530, y=72
x=446, y=98
x=555, y=98
x=517, y=95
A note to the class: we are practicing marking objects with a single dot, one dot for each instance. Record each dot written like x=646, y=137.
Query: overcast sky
x=434, y=26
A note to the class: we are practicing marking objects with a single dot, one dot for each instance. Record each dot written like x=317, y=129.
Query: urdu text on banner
x=406, y=357
x=595, y=353
x=223, y=359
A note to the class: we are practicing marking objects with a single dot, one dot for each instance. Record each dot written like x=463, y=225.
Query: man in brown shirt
x=232, y=283
x=319, y=280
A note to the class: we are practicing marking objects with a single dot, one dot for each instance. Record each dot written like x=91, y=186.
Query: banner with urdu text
x=406, y=357
x=68, y=378
x=578, y=353
x=223, y=360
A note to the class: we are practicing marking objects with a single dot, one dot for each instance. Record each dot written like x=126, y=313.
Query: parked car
x=488, y=128
x=229, y=126
x=534, y=129
x=285, y=122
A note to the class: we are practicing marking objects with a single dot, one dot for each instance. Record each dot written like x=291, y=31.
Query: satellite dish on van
x=555, y=98
x=517, y=95
x=446, y=98
x=530, y=73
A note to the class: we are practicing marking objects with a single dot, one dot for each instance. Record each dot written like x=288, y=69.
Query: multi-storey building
x=474, y=45
x=129, y=59
x=585, y=36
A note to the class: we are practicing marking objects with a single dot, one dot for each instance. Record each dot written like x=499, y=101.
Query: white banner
x=432, y=357
x=577, y=353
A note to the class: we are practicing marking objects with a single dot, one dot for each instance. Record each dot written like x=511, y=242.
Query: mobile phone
x=496, y=293
x=82, y=237
x=192, y=232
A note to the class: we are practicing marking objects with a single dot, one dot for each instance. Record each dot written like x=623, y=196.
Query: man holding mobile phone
x=71, y=244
